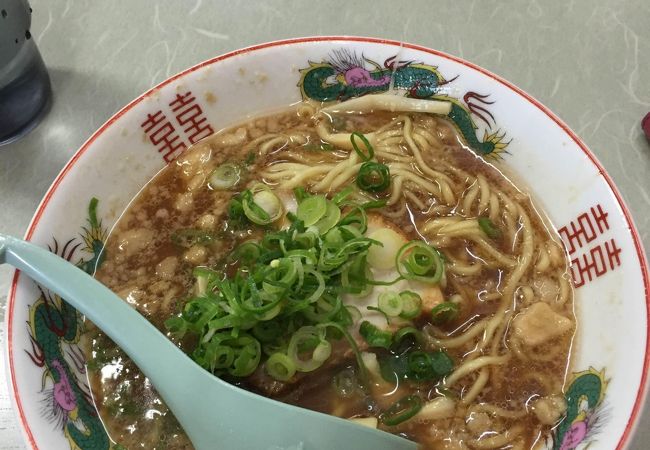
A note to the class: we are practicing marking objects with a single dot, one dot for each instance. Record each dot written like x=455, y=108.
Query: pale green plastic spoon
x=214, y=414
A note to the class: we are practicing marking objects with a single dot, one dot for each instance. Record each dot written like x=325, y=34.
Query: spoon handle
x=213, y=413
x=122, y=323
x=157, y=357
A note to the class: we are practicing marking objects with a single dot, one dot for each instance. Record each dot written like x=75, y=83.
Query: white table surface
x=588, y=60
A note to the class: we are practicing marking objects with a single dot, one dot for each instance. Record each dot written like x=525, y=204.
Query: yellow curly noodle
x=450, y=199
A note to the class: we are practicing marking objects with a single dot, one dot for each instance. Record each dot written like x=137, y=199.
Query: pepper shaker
x=25, y=91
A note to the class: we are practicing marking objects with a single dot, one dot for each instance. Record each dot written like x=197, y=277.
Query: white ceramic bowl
x=608, y=382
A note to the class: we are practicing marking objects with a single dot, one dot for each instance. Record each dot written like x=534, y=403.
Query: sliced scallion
x=312, y=209
x=355, y=314
x=489, y=228
x=374, y=336
x=261, y=206
x=329, y=219
x=283, y=293
x=373, y=177
x=442, y=363
x=339, y=198
x=177, y=326
x=319, y=354
x=390, y=303
x=444, y=312
x=402, y=333
x=247, y=253
x=247, y=355
x=268, y=330
x=280, y=367
x=225, y=176
x=369, y=152
x=418, y=261
x=401, y=411
x=421, y=366
x=411, y=305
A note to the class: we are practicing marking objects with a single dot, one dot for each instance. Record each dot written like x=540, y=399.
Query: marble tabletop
x=585, y=59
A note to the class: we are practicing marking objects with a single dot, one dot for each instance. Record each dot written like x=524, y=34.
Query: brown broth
x=153, y=273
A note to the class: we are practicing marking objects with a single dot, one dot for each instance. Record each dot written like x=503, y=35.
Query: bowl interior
x=609, y=271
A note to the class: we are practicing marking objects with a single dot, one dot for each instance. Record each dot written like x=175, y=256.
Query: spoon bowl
x=212, y=412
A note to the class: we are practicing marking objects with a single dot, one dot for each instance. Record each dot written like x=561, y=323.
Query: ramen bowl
x=606, y=384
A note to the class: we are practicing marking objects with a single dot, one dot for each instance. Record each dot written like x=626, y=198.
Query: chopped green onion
x=370, y=151
x=198, y=313
x=373, y=177
x=390, y=303
x=355, y=276
x=254, y=212
x=418, y=261
x=356, y=218
x=329, y=219
x=342, y=195
x=261, y=206
x=442, y=364
x=374, y=336
x=355, y=314
x=489, y=228
x=248, y=353
x=225, y=176
x=283, y=293
x=300, y=193
x=236, y=210
x=280, y=367
x=247, y=253
x=411, y=305
x=401, y=411
x=425, y=366
x=374, y=204
x=311, y=209
x=374, y=308
x=222, y=356
x=239, y=356
x=177, y=326
x=270, y=203
x=421, y=366
x=319, y=355
x=277, y=346
x=324, y=309
x=444, y=312
x=408, y=331
x=268, y=330
x=353, y=344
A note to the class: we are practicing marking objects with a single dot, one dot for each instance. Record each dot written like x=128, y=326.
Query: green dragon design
x=55, y=328
x=585, y=413
x=346, y=76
